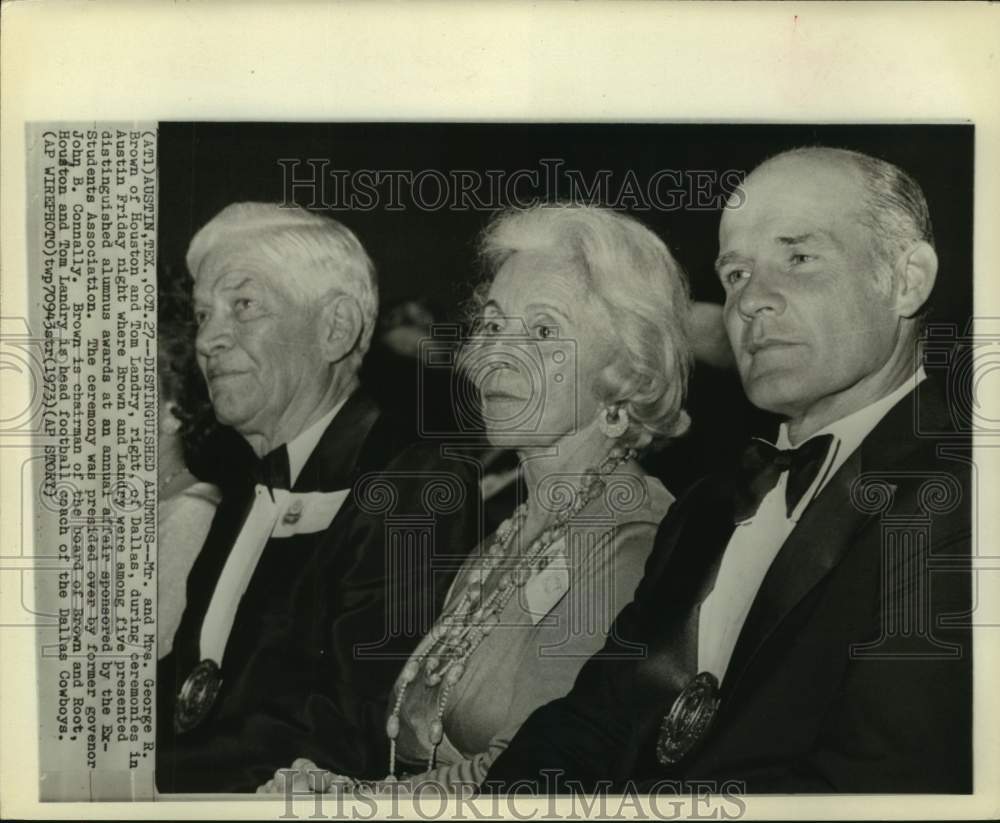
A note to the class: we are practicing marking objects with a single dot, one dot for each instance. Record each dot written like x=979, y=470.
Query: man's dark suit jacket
x=295, y=680
x=853, y=670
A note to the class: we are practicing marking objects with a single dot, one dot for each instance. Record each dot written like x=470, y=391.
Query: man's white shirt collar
x=303, y=445
x=848, y=432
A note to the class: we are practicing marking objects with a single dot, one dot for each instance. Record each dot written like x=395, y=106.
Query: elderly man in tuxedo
x=305, y=596
x=802, y=624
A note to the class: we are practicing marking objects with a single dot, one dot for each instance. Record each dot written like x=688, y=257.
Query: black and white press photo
x=555, y=411
x=587, y=457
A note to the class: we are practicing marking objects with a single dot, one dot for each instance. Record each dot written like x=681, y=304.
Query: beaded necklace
x=456, y=636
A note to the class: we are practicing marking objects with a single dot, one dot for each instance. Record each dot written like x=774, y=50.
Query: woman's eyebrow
x=547, y=307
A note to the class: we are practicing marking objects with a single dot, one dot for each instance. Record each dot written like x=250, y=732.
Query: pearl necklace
x=456, y=636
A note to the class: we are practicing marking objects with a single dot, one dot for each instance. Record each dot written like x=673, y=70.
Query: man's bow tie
x=762, y=465
x=272, y=469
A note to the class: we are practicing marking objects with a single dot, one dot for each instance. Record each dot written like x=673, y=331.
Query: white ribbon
x=274, y=513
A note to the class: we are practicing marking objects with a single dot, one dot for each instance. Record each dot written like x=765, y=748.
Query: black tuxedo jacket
x=853, y=669
x=328, y=619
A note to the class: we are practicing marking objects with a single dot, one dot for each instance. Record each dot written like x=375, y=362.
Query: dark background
x=431, y=254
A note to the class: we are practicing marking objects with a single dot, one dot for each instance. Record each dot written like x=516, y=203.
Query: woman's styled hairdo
x=642, y=291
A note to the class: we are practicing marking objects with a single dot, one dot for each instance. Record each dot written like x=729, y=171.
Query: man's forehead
x=227, y=271
x=806, y=178
x=796, y=196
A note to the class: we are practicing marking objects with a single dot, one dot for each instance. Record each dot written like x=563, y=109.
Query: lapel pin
x=293, y=514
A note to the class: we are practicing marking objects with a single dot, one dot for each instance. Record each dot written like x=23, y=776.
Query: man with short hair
x=303, y=603
x=803, y=620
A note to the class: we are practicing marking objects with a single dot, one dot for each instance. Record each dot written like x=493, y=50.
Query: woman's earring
x=613, y=422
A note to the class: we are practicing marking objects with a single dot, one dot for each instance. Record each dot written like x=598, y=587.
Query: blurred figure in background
x=186, y=505
x=397, y=374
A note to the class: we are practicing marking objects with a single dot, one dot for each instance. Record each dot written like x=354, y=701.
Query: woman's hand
x=305, y=776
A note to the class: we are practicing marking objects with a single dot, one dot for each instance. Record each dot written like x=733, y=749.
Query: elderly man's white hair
x=309, y=255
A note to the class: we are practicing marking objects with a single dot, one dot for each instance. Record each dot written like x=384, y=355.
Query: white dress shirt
x=756, y=542
x=274, y=513
x=304, y=445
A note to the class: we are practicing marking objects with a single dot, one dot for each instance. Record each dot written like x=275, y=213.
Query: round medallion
x=197, y=695
x=689, y=718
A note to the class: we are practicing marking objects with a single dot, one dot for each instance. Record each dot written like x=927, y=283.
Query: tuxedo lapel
x=691, y=548
x=699, y=540
x=334, y=463
x=681, y=573
x=816, y=545
x=828, y=528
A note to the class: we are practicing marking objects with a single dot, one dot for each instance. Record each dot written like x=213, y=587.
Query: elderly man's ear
x=340, y=327
x=916, y=271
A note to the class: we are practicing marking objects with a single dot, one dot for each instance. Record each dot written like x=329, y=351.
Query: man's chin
x=775, y=392
x=230, y=413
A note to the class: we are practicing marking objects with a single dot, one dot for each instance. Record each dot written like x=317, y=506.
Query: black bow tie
x=762, y=465
x=272, y=469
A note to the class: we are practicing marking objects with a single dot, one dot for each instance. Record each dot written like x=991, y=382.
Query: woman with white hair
x=580, y=353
